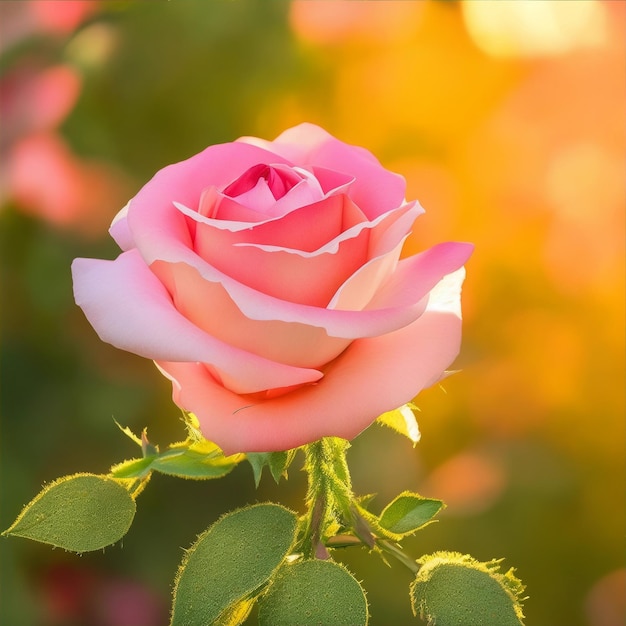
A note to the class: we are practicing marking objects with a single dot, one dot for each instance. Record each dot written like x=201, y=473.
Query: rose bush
x=264, y=279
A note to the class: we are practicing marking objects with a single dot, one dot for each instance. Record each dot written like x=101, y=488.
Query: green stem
x=329, y=495
x=134, y=486
x=331, y=503
x=332, y=506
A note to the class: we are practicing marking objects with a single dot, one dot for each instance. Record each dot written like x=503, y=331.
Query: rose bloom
x=264, y=279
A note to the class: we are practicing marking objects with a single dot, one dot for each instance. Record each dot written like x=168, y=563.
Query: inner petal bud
x=278, y=178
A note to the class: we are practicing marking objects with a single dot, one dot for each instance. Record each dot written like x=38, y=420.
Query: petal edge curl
x=161, y=234
x=129, y=308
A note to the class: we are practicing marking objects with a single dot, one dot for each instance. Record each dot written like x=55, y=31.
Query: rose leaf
x=230, y=561
x=81, y=513
x=314, y=592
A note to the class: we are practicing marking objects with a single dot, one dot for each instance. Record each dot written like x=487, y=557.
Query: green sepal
x=278, y=463
x=129, y=433
x=192, y=424
x=366, y=500
x=147, y=448
x=452, y=588
x=81, y=513
x=403, y=421
x=409, y=512
x=314, y=592
x=230, y=562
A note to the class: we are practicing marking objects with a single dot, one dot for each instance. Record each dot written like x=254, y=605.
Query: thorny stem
x=332, y=507
x=329, y=496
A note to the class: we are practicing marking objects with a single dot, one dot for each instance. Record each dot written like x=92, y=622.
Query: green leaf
x=229, y=561
x=408, y=513
x=314, y=592
x=199, y=460
x=278, y=462
x=133, y=468
x=453, y=588
x=236, y=614
x=192, y=465
x=81, y=513
x=403, y=421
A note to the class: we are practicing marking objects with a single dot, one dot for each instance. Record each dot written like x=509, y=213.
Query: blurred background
x=507, y=120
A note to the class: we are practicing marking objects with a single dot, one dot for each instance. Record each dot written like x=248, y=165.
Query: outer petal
x=207, y=305
x=297, y=343
x=385, y=247
x=119, y=230
x=376, y=190
x=130, y=308
x=371, y=377
x=418, y=275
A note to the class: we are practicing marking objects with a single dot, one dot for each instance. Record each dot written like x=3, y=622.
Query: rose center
x=279, y=180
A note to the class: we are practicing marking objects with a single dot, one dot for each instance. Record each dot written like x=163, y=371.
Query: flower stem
x=334, y=517
x=329, y=495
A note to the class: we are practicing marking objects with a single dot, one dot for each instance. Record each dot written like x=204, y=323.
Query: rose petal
x=258, y=198
x=305, y=192
x=240, y=215
x=371, y=377
x=375, y=189
x=280, y=190
x=314, y=277
x=278, y=178
x=417, y=275
x=307, y=277
x=356, y=292
x=208, y=306
x=307, y=228
x=129, y=308
x=230, y=211
x=161, y=233
x=215, y=241
x=385, y=246
x=185, y=181
x=120, y=232
x=331, y=181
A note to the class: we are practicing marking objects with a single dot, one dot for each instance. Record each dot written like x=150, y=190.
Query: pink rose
x=264, y=279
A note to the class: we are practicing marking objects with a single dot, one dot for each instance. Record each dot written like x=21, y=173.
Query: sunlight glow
x=527, y=29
